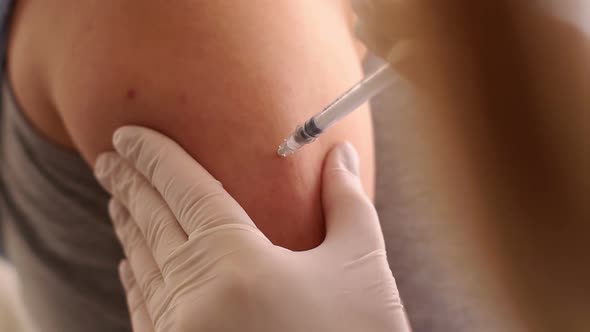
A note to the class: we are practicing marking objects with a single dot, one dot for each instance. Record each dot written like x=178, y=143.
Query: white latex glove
x=197, y=262
x=394, y=30
x=384, y=28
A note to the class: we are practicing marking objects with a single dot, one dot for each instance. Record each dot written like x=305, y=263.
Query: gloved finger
x=140, y=318
x=381, y=23
x=146, y=206
x=141, y=261
x=195, y=197
x=352, y=223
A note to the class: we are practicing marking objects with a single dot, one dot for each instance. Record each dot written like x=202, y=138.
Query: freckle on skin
x=131, y=94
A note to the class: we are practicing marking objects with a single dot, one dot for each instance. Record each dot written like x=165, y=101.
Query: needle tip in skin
x=284, y=150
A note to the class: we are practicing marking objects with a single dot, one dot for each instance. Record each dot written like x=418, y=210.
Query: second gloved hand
x=394, y=30
x=384, y=27
x=197, y=262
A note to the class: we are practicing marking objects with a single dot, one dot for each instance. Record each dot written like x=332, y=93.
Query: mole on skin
x=131, y=94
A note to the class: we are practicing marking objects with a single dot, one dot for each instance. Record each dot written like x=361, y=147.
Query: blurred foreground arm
x=505, y=85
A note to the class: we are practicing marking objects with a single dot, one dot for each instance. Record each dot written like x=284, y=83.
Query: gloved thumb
x=351, y=220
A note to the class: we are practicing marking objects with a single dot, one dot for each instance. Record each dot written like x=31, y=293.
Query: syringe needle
x=338, y=109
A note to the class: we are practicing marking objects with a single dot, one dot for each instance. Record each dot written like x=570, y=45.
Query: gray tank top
x=5, y=11
x=57, y=231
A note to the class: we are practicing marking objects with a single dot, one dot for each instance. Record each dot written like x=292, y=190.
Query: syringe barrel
x=354, y=97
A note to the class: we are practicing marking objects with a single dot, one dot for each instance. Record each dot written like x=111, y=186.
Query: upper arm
x=227, y=80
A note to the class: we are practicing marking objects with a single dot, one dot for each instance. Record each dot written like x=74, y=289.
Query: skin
x=227, y=80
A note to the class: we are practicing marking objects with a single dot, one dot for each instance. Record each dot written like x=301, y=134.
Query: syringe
x=361, y=92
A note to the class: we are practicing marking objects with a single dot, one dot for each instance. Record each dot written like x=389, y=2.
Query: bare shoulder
x=222, y=78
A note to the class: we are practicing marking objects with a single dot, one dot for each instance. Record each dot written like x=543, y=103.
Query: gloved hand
x=197, y=262
x=395, y=31
x=385, y=28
